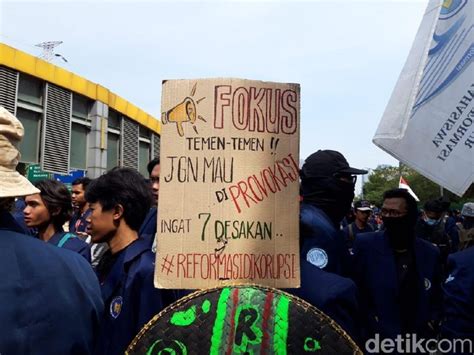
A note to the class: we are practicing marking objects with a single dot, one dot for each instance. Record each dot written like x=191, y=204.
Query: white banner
x=429, y=120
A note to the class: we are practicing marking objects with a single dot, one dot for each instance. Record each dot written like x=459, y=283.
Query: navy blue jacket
x=317, y=233
x=130, y=298
x=375, y=274
x=50, y=298
x=148, y=228
x=71, y=242
x=459, y=296
x=333, y=294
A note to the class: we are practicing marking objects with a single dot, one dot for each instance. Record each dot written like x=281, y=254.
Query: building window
x=80, y=107
x=29, y=146
x=144, y=132
x=30, y=90
x=114, y=120
x=113, y=139
x=78, y=148
x=143, y=157
x=113, y=150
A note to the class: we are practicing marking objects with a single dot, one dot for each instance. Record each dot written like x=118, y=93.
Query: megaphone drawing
x=182, y=112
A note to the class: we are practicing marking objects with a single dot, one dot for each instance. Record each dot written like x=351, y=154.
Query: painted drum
x=242, y=319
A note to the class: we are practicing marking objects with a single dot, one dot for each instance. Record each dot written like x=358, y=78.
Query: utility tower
x=48, y=50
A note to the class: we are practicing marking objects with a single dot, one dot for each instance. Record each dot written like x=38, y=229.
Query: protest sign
x=229, y=184
x=428, y=122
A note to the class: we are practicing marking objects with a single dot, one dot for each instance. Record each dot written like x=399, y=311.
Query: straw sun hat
x=12, y=184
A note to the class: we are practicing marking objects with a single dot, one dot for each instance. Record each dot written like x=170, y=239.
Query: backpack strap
x=65, y=238
x=351, y=232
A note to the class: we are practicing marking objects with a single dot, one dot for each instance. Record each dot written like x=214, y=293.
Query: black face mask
x=332, y=195
x=400, y=231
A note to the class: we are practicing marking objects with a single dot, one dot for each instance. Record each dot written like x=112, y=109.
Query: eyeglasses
x=392, y=213
x=346, y=177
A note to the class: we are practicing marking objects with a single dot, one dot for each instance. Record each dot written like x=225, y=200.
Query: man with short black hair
x=119, y=201
x=431, y=227
x=153, y=169
x=148, y=228
x=78, y=223
x=362, y=212
x=398, y=275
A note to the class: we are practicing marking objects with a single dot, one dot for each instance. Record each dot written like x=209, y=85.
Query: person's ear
x=118, y=212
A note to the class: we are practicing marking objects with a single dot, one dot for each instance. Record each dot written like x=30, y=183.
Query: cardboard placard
x=229, y=184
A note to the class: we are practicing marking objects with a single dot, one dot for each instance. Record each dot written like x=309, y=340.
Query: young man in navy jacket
x=398, y=275
x=148, y=228
x=120, y=200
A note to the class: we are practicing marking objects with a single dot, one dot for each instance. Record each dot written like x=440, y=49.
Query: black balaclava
x=401, y=230
x=330, y=194
x=321, y=187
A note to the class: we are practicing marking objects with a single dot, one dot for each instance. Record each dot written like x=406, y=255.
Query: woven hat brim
x=13, y=184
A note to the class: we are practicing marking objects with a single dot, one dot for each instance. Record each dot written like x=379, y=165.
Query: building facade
x=71, y=123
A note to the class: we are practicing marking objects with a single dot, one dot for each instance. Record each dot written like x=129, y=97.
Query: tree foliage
x=386, y=177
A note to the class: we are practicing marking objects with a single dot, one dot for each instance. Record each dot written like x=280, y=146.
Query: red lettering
x=234, y=197
x=280, y=263
x=273, y=111
x=292, y=266
x=254, y=190
x=257, y=117
x=264, y=176
x=240, y=108
x=259, y=198
x=268, y=267
x=221, y=98
x=188, y=265
x=289, y=122
x=262, y=110
x=195, y=264
x=206, y=268
x=283, y=174
x=181, y=260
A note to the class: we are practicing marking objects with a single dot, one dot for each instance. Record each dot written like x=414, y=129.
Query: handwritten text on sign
x=228, y=206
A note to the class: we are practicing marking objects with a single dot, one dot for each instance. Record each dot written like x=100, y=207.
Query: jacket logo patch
x=427, y=284
x=116, y=306
x=317, y=257
x=449, y=279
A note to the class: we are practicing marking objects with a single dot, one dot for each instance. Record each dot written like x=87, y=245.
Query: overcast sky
x=346, y=55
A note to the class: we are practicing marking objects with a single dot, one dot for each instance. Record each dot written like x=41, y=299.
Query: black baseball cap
x=326, y=163
x=362, y=205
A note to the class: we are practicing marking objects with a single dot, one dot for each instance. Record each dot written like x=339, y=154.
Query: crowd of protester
x=77, y=269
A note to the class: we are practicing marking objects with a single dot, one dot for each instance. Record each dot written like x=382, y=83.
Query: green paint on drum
x=219, y=322
x=311, y=345
x=169, y=350
x=280, y=334
x=184, y=318
x=206, y=306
